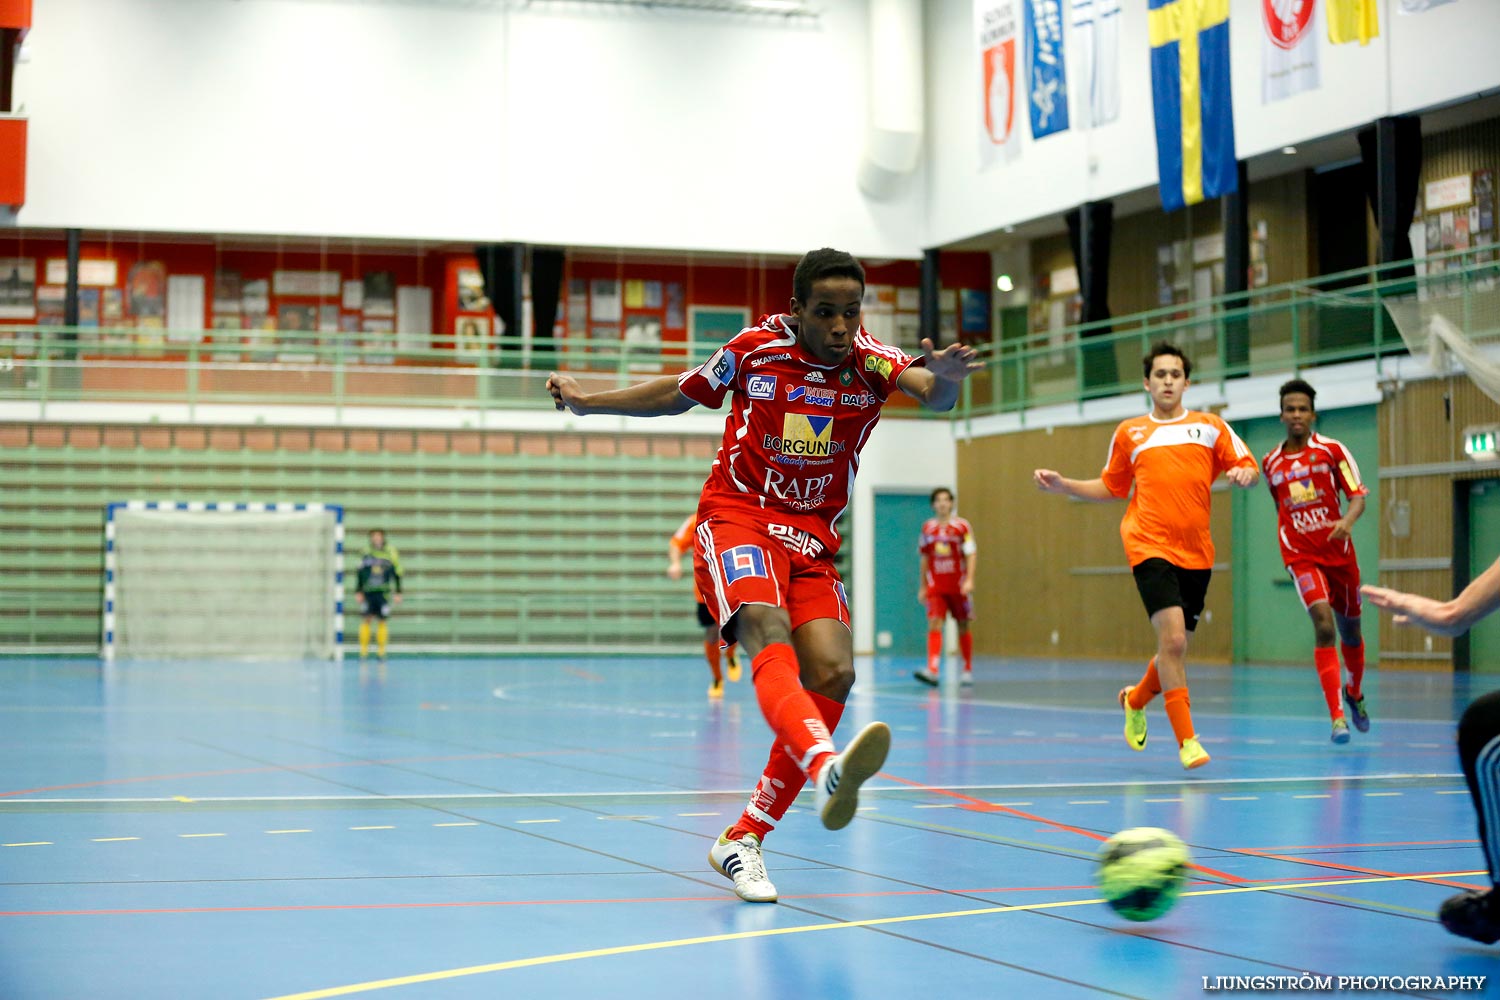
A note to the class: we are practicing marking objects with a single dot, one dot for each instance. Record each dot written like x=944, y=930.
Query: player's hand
x=1340, y=531
x=922, y=596
x=1049, y=482
x=1413, y=609
x=966, y=588
x=566, y=393
x=1242, y=476
x=954, y=362
x=674, y=570
x=395, y=598
x=361, y=599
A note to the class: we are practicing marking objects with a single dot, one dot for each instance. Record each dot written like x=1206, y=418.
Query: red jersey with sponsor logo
x=947, y=548
x=1306, y=485
x=795, y=426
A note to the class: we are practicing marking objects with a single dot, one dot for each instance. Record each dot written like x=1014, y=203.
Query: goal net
x=223, y=581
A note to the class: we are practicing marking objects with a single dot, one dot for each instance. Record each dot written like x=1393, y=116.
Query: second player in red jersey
x=1306, y=474
x=805, y=390
x=947, y=583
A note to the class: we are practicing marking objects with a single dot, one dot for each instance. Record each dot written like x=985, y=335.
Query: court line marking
x=111, y=840
x=288, y=831
x=372, y=828
x=30, y=843
x=979, y=805
x=739, y=793
x=636, y=949
x=464, y=823
x=189, y=836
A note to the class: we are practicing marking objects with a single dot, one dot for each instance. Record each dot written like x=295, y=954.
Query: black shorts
x=704, y=618
x=1166, y=585
x=377, y=603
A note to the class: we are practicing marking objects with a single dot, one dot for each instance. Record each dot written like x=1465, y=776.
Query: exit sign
x=1480, y=442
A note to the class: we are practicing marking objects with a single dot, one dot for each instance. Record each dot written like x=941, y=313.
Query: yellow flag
x=1352, y=21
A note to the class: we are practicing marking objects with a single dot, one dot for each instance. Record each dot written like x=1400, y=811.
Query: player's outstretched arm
x=1243, y=476
x=659, y=397
x=1455, y=617
x=1049, y=481
x=936, y=384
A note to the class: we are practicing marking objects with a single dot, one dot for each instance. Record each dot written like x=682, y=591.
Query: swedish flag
x=1190, y=88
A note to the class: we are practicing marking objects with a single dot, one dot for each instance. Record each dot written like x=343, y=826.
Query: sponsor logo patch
x=806, y=434
x=815, y=377
x=761, y=387
x=807, y=394
x=874, y=363
x=742, y=561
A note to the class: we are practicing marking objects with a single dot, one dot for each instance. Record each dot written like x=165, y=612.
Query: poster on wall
x=713, y=325
x=643, y=340
x=353, y=298
x=380, y=294
x=974, y=311
x=228, y=291
x=146, y=292
x=1047, y=81
x=379, y=339
x=1289, y=49
x=306, y=284
x=676, y=317
x=17, y=288
x=328, y=318
x=111, y=306
x=471, y=297
x=294, y=319
x=471, y=335
x=995, y=28
x=604, y=301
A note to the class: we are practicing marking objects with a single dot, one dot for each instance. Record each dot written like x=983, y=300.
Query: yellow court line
x=635, y=949
x=30, y=843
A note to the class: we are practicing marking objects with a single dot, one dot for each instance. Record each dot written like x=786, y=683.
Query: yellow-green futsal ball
x=1142, y=870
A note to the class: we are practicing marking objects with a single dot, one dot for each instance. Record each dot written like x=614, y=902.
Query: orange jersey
x=1173, y=465
x=682, y=542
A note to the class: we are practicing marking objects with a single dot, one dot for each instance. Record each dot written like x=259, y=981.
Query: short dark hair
x=816, y=265
x=1165, y=347
x=1300, y=385
x=377, y=531
x=932, y=499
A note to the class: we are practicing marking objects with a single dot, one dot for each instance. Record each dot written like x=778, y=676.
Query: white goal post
x=223, y=581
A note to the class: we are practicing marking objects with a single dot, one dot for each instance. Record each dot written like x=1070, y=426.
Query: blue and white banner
x=1096, y=54
x=1047, y=81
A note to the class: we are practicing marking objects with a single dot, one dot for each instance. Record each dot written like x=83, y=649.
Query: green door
x=1270, y=624
x=900, y=622
x=1484, y=548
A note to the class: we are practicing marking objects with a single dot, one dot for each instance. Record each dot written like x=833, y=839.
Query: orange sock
x=934, y=651
x=781, y=781
x=1148, y=687
x=1180, y=714
x=966, y=646
x=1354, y=659
x=793, y=716
x=711, y=654
x=1326, y=659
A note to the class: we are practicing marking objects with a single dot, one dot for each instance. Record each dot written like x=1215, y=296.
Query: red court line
x=1320, y=863
x=979, y=805
x=1330, y=847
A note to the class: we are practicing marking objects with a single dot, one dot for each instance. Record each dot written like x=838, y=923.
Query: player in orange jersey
x=1171, y=456
x=946, y=585
x=680, y=542
x=1306, y=473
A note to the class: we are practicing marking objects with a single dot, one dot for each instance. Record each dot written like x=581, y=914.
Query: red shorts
x=776, y=565
x=1336, y=584
x=955, y=604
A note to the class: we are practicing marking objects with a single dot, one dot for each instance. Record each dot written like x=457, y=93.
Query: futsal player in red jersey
x=805, y=390
x=1306, y=473
x=947, y=583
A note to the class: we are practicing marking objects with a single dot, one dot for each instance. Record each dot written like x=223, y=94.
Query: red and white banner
x=996, y=29
x=1289, y=48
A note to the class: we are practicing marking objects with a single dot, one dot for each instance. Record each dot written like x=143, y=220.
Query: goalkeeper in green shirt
x=379, y=588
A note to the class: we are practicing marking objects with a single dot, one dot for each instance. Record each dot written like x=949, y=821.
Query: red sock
x=1354, y=660
x=1326, y=659
x=1179, y=713
x=934, y=650
x=794, y=718
x=781, y=781
x=1148, y=687
x=966, y=646
x=711, y=654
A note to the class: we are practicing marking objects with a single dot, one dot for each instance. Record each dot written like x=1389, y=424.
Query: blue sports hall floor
x=537, y=828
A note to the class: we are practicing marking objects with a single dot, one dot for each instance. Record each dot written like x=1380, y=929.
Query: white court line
x=934, y=805
x=1371, y=795
x=1451, y=791
x=1113, y=710
x=372, y=828
x=700, y=814
x=1163, y=800
x=1241, y=798
x=1089, y=802
x=469, y=823
x=738, y=793
x=1312, y=796
x=541, y=820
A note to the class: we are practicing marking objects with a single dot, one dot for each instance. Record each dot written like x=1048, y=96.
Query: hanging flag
x=1190, y=91
x=1289, y=52
x=1096, y=44
x=1048, y=79
x=995, y=26
x=1352, y=21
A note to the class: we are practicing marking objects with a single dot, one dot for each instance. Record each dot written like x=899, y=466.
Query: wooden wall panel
x=1030, y=583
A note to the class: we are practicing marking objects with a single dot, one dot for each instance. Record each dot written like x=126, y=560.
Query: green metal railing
x=1286, y=327
x=1280, y=328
